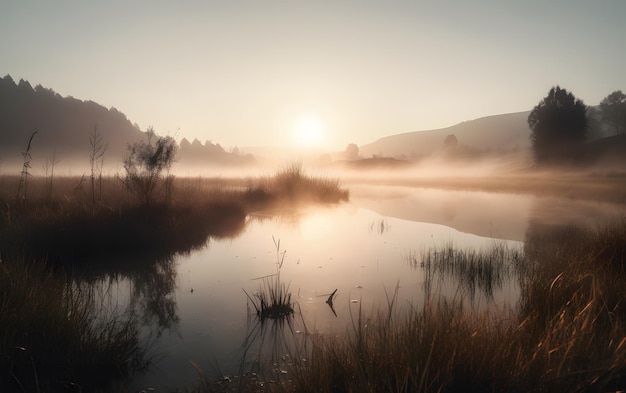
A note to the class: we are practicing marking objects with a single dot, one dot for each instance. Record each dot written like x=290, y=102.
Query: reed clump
x=567, y=334
x=292, y=185
x=482, y=271
x=273, y=299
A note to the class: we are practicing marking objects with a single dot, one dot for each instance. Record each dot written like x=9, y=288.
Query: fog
x=514, y=172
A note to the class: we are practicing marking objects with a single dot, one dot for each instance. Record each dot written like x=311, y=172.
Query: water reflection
x=124, y=269
x=330, y=301
x=153, y=293
x=190, y=298
x=502, y=216
x=270, y=348
x=145, y=285
x=474, y=272
x=379, y=226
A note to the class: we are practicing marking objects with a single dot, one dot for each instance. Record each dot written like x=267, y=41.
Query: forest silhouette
x=64, y=125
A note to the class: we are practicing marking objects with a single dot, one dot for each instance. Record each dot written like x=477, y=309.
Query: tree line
x=560, y=124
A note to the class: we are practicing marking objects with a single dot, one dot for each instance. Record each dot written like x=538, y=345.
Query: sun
x=309, y=131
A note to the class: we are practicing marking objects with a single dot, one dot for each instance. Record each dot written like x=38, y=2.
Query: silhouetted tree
x=195, y=153
x=185, y=144
x=352, y=152
x=145, y=165
x=558, y=125
x=450, y=142
x=613, y=111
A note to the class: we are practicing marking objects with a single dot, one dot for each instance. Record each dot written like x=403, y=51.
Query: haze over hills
x=500, y=132
x=64, y=126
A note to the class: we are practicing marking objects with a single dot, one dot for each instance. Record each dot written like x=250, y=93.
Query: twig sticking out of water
x=329, y=301
x=330, y=298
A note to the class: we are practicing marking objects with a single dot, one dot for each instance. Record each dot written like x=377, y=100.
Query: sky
x=313, y=73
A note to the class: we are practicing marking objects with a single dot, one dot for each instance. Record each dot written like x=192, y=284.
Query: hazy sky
x=258, y=73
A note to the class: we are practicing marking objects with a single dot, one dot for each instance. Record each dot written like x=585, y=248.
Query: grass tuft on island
x=62, y=223
x=291, y=185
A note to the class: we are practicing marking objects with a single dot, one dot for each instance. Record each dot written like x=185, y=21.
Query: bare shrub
x=146, y=164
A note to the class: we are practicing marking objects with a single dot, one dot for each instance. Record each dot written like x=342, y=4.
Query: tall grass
x=52, y=332
x=568, y=333
x=68, y=223
x=55, y=334
x=473, y=270
x=291, y=184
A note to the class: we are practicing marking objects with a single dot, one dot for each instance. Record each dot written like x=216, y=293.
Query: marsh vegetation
x=65, y=242
x=567, y=333
x=59, y=236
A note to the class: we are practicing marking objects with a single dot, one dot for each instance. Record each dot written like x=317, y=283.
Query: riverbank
x=568, y=332
x=59, y=235
x=65, y=221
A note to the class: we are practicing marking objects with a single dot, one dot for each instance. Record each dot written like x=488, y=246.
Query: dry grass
x=52, y=331
x=568, y=333
x=63, y=223
x=292, y=185
x=482, y=271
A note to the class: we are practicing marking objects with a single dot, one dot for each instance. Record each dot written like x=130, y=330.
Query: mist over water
x=364, y=249
x=194, y=312
x=359, y=253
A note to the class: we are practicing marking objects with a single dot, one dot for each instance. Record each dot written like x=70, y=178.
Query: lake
x=197, y=319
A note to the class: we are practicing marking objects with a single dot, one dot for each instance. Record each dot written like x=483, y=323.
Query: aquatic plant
x=273, y=299
x=568, y=334
x=475, y=270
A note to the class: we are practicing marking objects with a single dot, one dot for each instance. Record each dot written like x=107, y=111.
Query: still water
x=195, y=312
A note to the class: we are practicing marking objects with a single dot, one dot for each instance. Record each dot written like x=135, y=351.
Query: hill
x=63, y=125
x=500, y=132
x=608, y=152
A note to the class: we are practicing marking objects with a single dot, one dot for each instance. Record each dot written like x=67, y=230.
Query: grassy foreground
x=56, y=333
x=568, y=333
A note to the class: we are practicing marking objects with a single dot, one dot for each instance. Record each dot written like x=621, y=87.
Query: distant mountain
x=500, y=132
x=197, y=154
x=63, y=124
